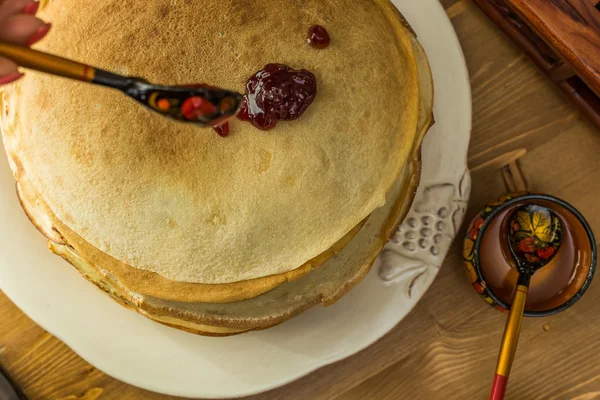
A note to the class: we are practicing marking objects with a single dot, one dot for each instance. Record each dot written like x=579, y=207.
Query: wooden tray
x=563, y=38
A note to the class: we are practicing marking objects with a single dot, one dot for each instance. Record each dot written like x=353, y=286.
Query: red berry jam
x=222, y=130
x=277, y=93
x=318, y=37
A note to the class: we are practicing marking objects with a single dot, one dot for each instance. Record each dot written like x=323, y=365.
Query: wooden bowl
x=555, y=287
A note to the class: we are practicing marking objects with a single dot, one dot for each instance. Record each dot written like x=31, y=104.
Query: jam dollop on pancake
x=277, y=93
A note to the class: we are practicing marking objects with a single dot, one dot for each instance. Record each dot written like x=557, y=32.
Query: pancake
x=163, y=204
x=324, y=285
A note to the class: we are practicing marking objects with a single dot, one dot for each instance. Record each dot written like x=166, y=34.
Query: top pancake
x=183, y=202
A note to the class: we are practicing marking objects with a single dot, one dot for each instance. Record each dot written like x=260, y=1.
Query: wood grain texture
x=447, y=346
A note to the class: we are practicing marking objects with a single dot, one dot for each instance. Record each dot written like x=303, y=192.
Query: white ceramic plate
x=143, y=353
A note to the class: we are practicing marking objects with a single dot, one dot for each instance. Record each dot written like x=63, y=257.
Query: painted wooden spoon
x=534, y=239
x=202, y=105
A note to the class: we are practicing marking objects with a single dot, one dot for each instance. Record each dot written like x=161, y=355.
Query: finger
x=8, y=71
x=9, y=8
x=23, y=29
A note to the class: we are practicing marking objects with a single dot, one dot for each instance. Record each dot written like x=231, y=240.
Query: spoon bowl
x=198, y=104
x=535, y=236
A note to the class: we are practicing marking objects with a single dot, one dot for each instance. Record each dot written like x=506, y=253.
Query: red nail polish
x=10, y=78
x=39, y=34
x=31, y=8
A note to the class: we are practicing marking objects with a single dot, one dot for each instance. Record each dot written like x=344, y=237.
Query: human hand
x=18, y=25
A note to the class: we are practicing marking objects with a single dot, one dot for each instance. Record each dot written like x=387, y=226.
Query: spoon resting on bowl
x=535, y=235
x=202, y=105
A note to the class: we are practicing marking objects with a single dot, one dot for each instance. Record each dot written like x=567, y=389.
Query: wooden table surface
x=447, y=347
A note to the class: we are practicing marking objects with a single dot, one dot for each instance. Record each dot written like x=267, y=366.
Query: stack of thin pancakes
x=215, y=235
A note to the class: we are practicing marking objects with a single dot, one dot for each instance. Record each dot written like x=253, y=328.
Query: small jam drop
x=222, y=130
x=277, y=93
x=318, y=37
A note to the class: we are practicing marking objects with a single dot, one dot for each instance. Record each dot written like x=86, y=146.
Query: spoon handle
x=54, y=65
x=510, y=338
x=48, y=63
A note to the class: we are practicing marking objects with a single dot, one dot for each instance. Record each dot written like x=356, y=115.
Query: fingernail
x=10, y=78
x=39, y=34
x=31, y=8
